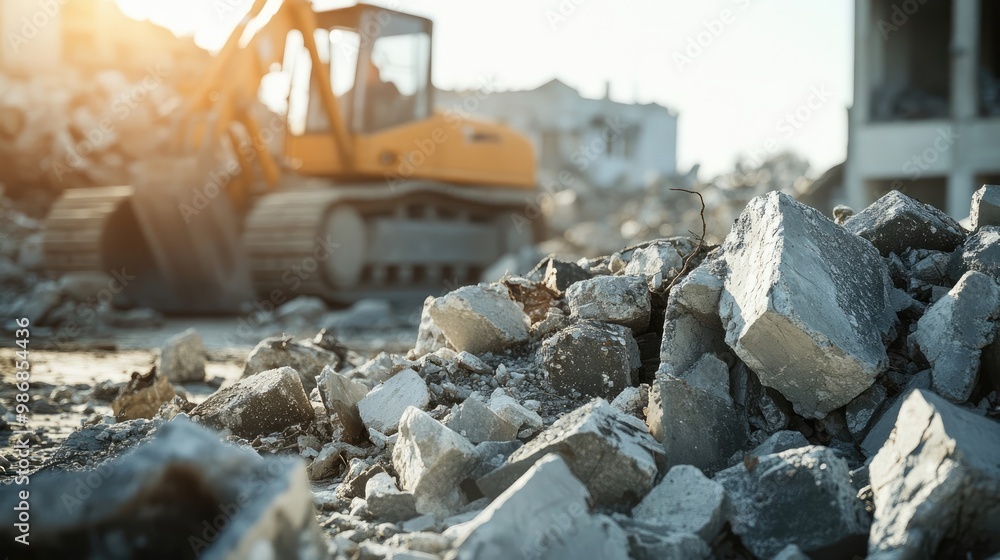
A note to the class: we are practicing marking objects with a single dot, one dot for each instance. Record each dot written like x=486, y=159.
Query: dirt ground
x=76, y=382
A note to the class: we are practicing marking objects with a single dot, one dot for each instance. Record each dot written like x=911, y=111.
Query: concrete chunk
x=480, y=319
x=861, y=411
x=279, y=351
x=621, y=300
x=432, y=461
x=143, y=396
x=780, y=441
x=985, y=209
x=610, y=452
x=981, y=253
x=806, y=304
x=590, y=358
x=937, y=478
x=544, y=514
x=386, y=502
x=512, y=411
x=265, y=403
x=694, y=418
x=384, y=405
x=896, y=222
x=801, y=496
x=478, y=423
x=183, y=358
x=954, y=331
x=691, y=325
x=684, y=501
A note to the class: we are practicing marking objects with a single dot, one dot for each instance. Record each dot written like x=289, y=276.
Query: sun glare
x=209, y=22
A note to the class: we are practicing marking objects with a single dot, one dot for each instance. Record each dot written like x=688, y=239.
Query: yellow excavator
x=377, y=193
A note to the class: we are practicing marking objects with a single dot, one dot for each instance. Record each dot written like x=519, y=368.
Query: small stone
x=480, y=319
x=985, y=207
x=183, y=358
x=560, y=275
x=684, y=501
x=862, y=410
x=304, y=357
x=386, y=502
x=141, y=398
x=384, y=405
x=432, y=461
x=981, y=252
x=478, y=423
x=507, y=408
x=590, y=358
x=472, y=363
x=621, y=300
x=264, y=403
x=332, y=459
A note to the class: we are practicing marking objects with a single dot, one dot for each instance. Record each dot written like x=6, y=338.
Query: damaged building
x=926, y=114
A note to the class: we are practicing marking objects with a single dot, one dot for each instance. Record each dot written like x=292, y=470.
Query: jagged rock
x=691, y=326
x=181, y=494
x=985, y=207
x=332, y=458
x=953, y=332
x=430, y=337
x=560, y=275
x=693, y=416
x=684, y=501
x=590, y=358
x=880, y=429
x=341, y=395
x=798, y=278
x=432, y=461
x=143, y=396
x=621, y=300
x=472, y=363
x=383, y=366
x=304, y=357
x=359, y=472
x=981, y=253
x=662, y=258
x=492, y=455
x=609, y=451
x=259, y=405
x=932, y=269
x=801, y=496
x=384, y=405
x=183, y=358
x=543, y=514
x=632, y=401
x=780, y=441
x=936, y=479
x=386, y=502
x=896, y=222
x=512, y=411
x=480, y=319
x=862, y=410
x=477, y=423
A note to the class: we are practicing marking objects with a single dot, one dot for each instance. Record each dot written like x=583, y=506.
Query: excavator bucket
x=174, y=248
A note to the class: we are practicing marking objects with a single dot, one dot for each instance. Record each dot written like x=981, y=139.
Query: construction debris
x=480, y=319
x=896, y=222
x=383, y=407
x=590, y=358
x=985, y=207
x=183, y=358
x=259, y=405
x=304, y=357
x=143, y=396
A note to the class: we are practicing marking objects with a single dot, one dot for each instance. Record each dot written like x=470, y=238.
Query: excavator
x=375, y=192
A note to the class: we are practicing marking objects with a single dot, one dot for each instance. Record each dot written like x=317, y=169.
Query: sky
x=748, y=77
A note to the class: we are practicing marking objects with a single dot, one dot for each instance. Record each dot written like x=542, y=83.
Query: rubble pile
x=804, y=389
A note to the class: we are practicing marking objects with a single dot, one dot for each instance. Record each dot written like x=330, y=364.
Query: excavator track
x=75, y=228
x=345, y=243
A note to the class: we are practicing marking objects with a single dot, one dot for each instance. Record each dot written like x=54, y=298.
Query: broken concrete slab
x=797, y=277
x=801, y=496
x=281, y=351
x=341, y=395
x=543, y=514
x=661, y=258
x=985, y=209
x=621, y=300
x=430, y=337
x=862, y=410
x=590, y=358
x=780, y=441
x=896, y=222
x=981, y=252
x=684, y=501
x=693, y=416
x=936, y=479
x=259, y=405
x=480, y=319
x=954, y=331
x=432, y=461
x=181, y=494
x=142, y=396
x=609, y=451
x=477, y=423
x=386, y=502
x=383, y=407
x=512, y=411
x=183, y=358
x=880, y=429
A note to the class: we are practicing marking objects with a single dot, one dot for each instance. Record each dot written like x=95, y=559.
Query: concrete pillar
x=965, y=59
x=960, y=188
x=859, y=113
